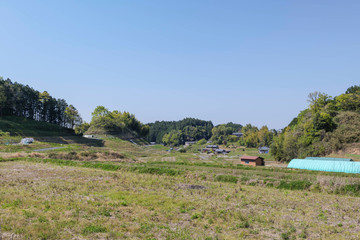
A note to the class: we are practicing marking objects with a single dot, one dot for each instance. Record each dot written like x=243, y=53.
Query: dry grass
x=44, y=201
x=12, y=155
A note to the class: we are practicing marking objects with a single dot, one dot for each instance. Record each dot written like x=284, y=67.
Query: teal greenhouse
x=326, y=164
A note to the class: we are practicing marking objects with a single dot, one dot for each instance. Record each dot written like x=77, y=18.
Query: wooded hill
x=115, y=123
x=188, y=129
x=23, y=101
x=330, y=124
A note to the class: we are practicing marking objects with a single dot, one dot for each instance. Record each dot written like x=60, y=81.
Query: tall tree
x=72, y=116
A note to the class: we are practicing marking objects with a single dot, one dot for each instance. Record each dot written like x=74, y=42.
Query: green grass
x=226, y=178
x=18, y=126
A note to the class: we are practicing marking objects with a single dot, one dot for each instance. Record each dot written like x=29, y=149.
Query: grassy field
x=114, y=189
x=49, y=200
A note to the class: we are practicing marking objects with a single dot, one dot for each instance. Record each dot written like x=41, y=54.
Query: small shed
x=252, y=161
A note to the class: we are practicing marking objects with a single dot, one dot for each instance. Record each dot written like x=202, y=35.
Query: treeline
x=21, y=100
x=113, y=123
x=329, y=124
x=252, y=136
x=189, y=129
x=177, y=132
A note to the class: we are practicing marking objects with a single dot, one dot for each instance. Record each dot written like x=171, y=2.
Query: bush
x=202, y=141
x=182, y=150
x=71, y=156
x=352, y=189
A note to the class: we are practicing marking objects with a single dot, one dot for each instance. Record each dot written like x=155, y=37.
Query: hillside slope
x=20, y=126
x=330, y=125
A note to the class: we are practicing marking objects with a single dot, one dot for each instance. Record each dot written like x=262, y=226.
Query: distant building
x=188, y=143
x=223, y=151
x=89, y=136
x=212, y=146
x=263, y=150
x=27, y=141
x=252, y=161
x=238, y=134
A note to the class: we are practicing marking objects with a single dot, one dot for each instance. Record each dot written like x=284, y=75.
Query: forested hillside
x=188, y=129
x=23, y=101
x=330, y=124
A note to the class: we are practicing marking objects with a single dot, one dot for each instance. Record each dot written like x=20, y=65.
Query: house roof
x=264, y=148
x=237, y=133
x=251, y=157
x=212, y=146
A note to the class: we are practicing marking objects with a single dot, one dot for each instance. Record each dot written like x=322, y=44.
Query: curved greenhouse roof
x=329, y=159
x=326, y=166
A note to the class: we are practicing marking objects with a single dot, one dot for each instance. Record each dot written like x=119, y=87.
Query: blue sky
x=240, y=61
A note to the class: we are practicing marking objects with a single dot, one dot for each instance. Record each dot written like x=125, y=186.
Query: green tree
x=173, y=138
x=72, y=116
x=82, y=128
x=2, y=99
x=100, y=111
x=353, y=89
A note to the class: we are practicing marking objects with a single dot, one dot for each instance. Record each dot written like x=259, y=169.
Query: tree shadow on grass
x=72, y=140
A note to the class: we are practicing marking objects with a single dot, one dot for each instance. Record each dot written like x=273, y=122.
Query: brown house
x=252, y=161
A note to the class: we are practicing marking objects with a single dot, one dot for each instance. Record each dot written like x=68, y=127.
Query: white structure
x=27, y=141
x=89, y=136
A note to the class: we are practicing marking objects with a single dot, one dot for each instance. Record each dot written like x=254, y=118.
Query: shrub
x=202, y=141
x=353, y=189
x=71, y=156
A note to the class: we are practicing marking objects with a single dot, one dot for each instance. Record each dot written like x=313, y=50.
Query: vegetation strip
x=102, y=166
x=347, y=189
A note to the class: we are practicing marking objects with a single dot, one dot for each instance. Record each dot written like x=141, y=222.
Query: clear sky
x=241, y=61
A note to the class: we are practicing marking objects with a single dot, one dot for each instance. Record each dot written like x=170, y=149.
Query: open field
x=120, y=190
x=43, y=200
